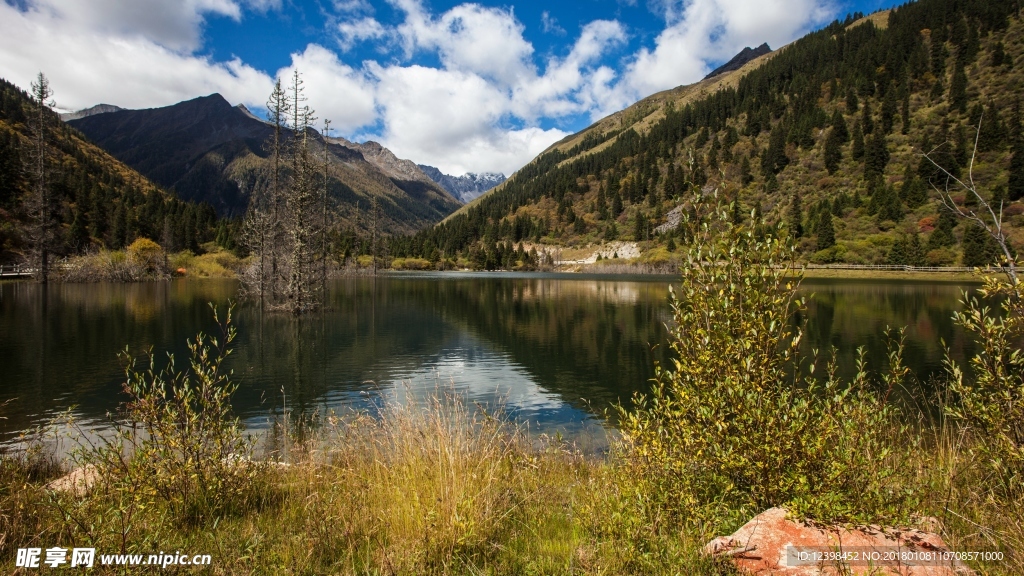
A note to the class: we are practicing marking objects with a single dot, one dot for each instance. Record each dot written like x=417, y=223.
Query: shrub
x=178, y=443
x=991, y=405
x=731, y=428
x=411, y=264
x=147, y=256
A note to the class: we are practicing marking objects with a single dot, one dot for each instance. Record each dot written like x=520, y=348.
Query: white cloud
x=355, y=31
x=452, y=120
x=175, y=25
x=263, y=5
x=88, y=62
x=334, y=90
x=549, y=24
x=701, y=31
x=470, y=37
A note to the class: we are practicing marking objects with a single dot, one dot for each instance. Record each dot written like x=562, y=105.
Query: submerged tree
x=42, y=203
x=286, y=225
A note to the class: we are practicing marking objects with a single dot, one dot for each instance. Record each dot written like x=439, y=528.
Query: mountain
x=824, y=135
x=207, y=150
x=97, y=199
x=97, y=109
x=466, y=187
x=737, y=61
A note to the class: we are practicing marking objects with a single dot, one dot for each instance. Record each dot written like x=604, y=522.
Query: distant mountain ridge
x=207, y=150
x=97, y=109
x=467, y=187
x=737, y=61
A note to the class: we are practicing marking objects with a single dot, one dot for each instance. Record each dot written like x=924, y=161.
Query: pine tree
x=851, y=101
x=877, y=156
x=979, y=249
x=905, y=112
x=796, y=216
x=867, y=120
x=888, y=114
x=998, y=55
x=942, y=236
x=898, y=253
x=825, y=232
x=833, y=151
x=857, y=150
x=839, y=127
x=958, y=88
x=775, y=159
x=1015, y=188
x=745, y=176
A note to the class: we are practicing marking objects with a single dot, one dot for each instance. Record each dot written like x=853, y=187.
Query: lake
x=556, y=350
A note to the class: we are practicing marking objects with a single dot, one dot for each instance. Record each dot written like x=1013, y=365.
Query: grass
x=443, y=487
x=436, y=487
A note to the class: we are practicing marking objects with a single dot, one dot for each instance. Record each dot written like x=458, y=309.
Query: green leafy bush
x=732, y=428
x=991, y=404
x=178, y=443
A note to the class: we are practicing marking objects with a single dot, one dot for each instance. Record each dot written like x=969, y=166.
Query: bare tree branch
x=993, y=228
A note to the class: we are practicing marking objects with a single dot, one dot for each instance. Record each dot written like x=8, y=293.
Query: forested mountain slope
x=98, y=201
x=825, y=134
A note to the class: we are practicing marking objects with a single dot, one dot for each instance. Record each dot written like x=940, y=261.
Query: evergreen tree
x=942, y=236
x=913, y=190
x=979, y=249
x=825, y=232
x=897, y=255
x=998, y=55
x=888, y=113
x=958, y=88
x=774, y=159
x=839, y=127
x=877, y=156
x=640, y=227
x=857, y=150
x=745, y=176
x=796, y=216
x=867, y=121
x=833, y=152
x=905, y=112
x=851, y=101
x=915, y=251
x=1015, y=189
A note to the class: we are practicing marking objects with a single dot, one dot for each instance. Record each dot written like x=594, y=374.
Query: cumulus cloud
x=701, y=31
x=117, y=60
x=334, y=90
x=352, y=32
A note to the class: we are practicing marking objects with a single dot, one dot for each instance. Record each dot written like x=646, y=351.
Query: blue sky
x=462, y=86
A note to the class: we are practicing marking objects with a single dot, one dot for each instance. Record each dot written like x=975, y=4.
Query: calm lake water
x=557, y=350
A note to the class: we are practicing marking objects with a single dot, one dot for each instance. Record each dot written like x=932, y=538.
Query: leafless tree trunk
x=323, y=215
x=41, y=204
x=989, y=217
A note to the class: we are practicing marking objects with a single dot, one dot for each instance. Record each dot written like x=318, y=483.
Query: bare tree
x=287, y=221
x=41, y=203
x=325, y=163
x=989, y=217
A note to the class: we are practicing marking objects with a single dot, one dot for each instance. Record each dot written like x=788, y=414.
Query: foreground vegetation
x=439, y=486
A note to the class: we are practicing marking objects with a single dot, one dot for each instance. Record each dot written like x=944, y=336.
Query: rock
x=76, y=482
x=770, y=543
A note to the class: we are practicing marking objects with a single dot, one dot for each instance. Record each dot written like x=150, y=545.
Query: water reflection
x=557, y=350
